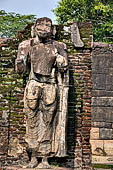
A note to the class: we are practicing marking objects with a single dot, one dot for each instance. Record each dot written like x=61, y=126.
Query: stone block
x=102, y=93
x=98, y=70
x=102, y=159
x=102, y=114
x=15, y=148
x=109, y=87
x=102, y=101
x=100, y=45
x=102, y=147
x=19, y=168
x=99, y=81
x=105, y=133
x=100, y=60
x=102, y=124
x=94, y=133
x=111, y=71
x=109, y=79
x=97, y=147
x=108, y=147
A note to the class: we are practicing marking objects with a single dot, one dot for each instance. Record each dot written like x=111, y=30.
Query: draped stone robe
x=45, y=96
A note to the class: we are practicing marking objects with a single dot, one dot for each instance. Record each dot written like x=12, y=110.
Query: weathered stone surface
x=102, y=124
x=102, y=160
x=105, y=133
x=102, y=147
x=99, y=81
x=79, y=97
x=15, y=148
x=19, y=168
x=101, y=169
x=46, y=93
x=94, y=133
x=76, y=39
x=102, y=101
x=102, y=114
x=108, y=147
x=97, y=147
x=102, y=93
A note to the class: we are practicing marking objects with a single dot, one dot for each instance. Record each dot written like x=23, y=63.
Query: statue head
x=42, y=27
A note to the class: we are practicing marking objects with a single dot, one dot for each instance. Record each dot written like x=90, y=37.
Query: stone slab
x=102, y=114
x=19, y=168
x=102, y=101
x=108, y=147
x=99, y=81
x=105, y=133
x=102, y=169
x=102, y=147
x=102, y=159
x=102, y=124
x=94, y=133
x=102, y=93
x=97, y=147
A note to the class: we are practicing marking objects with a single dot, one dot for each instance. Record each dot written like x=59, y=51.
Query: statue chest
x=43, y=58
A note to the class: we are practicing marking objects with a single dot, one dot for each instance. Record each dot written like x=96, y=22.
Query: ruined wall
x=102, y=104
x=12, y=121
x=80, y=99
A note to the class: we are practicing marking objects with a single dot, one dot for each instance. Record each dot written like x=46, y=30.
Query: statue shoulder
x=25, y=44
x=24, y=47
x=60, y=45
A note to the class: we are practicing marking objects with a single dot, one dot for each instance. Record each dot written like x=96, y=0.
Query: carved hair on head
x=39, y=20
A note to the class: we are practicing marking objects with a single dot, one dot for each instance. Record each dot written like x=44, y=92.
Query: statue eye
x=48, y=25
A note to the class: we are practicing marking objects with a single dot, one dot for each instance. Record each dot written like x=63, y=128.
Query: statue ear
x=33, y=31
x=53, y=30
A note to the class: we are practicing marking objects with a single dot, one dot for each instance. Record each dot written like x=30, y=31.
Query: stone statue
x=46, y=93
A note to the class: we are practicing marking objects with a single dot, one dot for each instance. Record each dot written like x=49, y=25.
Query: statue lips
x=43, y=34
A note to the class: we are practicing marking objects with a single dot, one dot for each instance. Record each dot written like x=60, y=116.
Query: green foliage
x=10, y=23
x=67, y=10
x=100, y=12
x=102, y=166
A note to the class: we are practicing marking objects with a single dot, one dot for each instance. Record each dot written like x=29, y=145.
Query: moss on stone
x=104, y=166
x=4, y=108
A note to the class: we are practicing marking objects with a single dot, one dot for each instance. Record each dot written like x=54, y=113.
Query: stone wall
x=80, y=98
x=12, y=121
x=102, y=104
x=12, y=126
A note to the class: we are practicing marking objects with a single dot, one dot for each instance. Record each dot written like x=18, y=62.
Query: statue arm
x=23, y=56
x=63, y=86
x=61, y=60
x=62, y=65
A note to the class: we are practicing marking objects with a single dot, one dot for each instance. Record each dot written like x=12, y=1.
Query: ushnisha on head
x=42, y=28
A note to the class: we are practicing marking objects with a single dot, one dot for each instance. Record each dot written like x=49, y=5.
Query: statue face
x=43, y=29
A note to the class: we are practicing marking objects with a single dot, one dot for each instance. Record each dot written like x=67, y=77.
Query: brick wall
x=102, y=104
x=11, y=99
x=12, y=122
x=80, y=99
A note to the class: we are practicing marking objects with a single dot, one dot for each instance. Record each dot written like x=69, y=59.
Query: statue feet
x=44, y=164
x=32, y=164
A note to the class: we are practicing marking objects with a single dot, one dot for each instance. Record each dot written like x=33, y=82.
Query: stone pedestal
x=19, y=168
